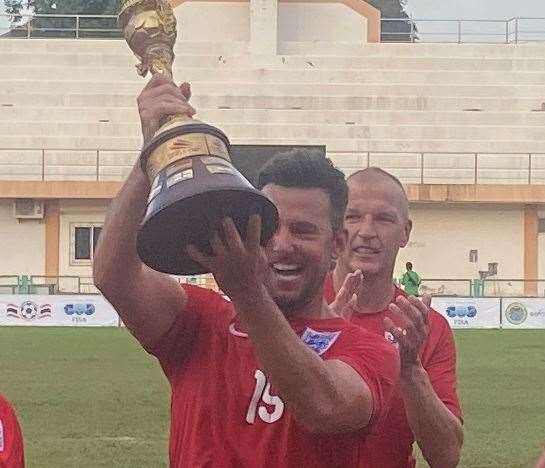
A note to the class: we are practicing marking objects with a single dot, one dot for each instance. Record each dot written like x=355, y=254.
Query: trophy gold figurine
x=194, y=185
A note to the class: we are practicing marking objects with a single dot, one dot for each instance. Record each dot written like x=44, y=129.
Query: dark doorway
x=249, y=159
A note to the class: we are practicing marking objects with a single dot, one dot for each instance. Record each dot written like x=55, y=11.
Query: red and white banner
x=58, y=311
x=95, y=311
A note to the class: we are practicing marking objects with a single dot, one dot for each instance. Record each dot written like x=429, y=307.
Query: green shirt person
x=410, y=280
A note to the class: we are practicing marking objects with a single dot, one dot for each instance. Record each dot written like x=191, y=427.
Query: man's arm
x=437, y=430
x=146, y=300
x=417, y=279
x=325, y=396
x=403, y=279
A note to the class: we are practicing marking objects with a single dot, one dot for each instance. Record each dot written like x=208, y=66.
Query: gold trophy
x=194, y=185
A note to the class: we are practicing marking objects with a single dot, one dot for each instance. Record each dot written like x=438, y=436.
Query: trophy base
x=163, y=238
x=190, y=195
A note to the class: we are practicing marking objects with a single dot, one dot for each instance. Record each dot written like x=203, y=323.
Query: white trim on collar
x=235, y=332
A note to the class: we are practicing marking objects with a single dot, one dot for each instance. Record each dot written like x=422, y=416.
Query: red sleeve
x=439, y=361
x=11, y=438
x=203, y=308
x=375, y=360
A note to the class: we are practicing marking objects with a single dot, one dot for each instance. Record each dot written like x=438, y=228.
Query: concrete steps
x=529, y=50
x=213, y=88
x=118, y=46
x=127, y=143
x=291, y=131
x=302, y=101
x=34, y=115
x=62, y=100
x=124, y=60
x=393, y=77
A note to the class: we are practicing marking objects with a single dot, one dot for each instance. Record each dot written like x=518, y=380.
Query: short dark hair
x=304, y=168
x=409, y=266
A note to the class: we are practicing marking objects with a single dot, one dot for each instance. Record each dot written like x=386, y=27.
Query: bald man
x=426, y=406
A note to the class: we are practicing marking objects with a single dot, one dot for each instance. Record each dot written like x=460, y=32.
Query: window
x=541, y=226
x=84, y=240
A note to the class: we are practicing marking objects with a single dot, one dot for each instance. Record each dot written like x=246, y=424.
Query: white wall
x=22, y=243
x=443, y=236
x=439, y=246
x=303, y=22
x=298, y=22
x=213, y=21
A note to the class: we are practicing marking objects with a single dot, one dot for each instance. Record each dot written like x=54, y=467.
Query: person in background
x=425, y=406
x=11, y=437
x=410, y=280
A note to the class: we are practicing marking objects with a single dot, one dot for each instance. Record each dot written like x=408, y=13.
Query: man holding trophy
x=271, y=378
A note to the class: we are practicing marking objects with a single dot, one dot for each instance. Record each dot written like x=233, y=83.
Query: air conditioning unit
x=28, y=208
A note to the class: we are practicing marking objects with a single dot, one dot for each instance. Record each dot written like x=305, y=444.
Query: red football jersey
x=11, y=438
x=389, y=445
x=224, y=412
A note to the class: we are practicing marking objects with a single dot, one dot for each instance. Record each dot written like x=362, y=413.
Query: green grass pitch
x=91, y=398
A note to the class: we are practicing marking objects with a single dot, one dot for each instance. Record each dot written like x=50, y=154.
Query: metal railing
x=508, y=31
x=61, y=26
x=447, y=287
x=9, y=284
x=72, y=284
x=61, y=285
x=484, y=288
x=462, y=167
x=411, y=167
x=463, y=31
x=513, y=287
x=463, y=287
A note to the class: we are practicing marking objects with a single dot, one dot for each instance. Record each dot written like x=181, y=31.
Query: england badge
x=319, y=341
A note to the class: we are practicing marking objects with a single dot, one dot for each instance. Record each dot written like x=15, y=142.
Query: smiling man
x=272, y=378
x=425, y=406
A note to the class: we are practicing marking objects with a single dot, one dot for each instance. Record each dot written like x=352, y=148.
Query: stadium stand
x=458, y=123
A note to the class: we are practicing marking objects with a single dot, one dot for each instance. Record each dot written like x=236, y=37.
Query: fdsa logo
x=461, y=313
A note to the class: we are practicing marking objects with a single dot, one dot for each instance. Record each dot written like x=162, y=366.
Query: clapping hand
x=409, y=326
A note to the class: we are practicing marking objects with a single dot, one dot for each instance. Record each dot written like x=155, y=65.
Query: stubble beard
x=294, y=306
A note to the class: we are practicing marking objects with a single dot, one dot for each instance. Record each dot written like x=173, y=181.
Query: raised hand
x=346, y=299
x=409, y=326
x=159, y=99
x=237, y=265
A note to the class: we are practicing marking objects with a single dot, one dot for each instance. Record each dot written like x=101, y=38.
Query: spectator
x=410, y=280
